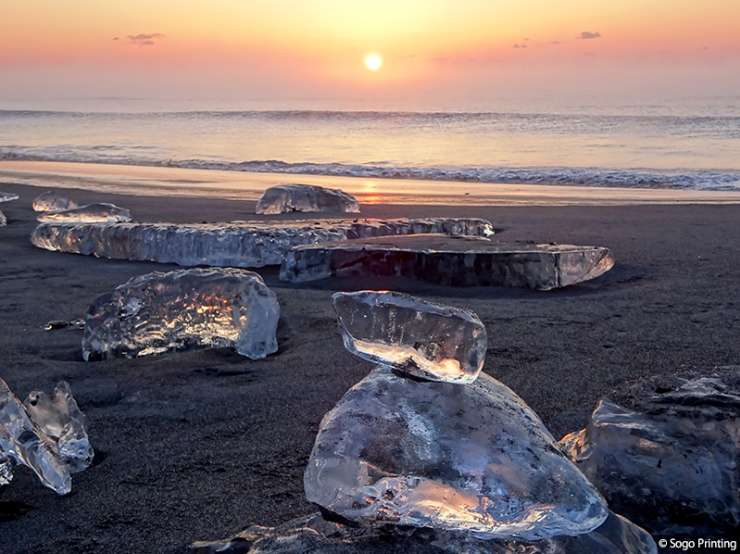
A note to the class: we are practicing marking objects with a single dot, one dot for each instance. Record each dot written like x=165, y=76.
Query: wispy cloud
x=144, y=39
x=519, y=45
x=589, y=35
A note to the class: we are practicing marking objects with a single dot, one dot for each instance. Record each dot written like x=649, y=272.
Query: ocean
x=690, y=146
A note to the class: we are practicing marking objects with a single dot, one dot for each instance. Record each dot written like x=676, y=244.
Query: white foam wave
x=586, y=176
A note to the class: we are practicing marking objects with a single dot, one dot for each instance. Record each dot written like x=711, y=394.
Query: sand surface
x=200, y=444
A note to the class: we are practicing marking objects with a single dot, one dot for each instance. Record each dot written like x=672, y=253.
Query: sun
x=373, y=61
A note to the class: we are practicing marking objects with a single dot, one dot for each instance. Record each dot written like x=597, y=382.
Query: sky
x=436, y=53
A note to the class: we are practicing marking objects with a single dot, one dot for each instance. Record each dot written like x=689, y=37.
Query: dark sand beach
x=200, y=444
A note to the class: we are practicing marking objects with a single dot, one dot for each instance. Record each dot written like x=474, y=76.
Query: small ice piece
x=472, y=458
x=52, y=201
x=305, y=198
x=412, y=335
x=460, y=261
x=8, y=196
x=237, y=244
x=24, y=443
x=56, y=324
x=314, y=534
x=3, y=219
x=91, y=213
x=59, y=417
x=672, y=463
x=6, y=469
x=157, y=312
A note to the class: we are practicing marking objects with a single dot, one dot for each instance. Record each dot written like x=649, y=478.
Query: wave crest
x=585, y=176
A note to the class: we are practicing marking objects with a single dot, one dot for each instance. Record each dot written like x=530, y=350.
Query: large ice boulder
x=101, y=212
x=313, y=534
x=671, y=462
x=157, y=312
x=45, y=433
x=305, y=198
x=415, y=336
x=53, y=201
x=472, y=458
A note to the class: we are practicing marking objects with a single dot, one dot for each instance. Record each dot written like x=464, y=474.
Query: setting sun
x=373, y=61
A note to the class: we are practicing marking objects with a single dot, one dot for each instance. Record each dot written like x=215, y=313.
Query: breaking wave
x=584, y=176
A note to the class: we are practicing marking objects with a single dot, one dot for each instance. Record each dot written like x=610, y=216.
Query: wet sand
x=241, y=185
x=200, y=444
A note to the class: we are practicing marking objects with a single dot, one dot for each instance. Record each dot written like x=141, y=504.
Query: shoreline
x=155, y=181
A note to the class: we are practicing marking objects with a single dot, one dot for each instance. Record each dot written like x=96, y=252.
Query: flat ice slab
x=237, y=244
x=157, y=312
x=91, y=213
x=306, y=198
x=455, y=261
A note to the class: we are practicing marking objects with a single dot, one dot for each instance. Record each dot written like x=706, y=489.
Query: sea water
x=694, y=145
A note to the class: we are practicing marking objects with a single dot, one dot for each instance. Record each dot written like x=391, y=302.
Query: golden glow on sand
x=373, y=61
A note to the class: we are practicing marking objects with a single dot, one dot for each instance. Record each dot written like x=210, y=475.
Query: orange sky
x=446, y=50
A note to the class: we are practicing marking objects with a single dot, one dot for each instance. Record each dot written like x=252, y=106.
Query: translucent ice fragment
x=3, y=219
x=90, y=213
x=6, y=469
x=673, y=460
x=424, y=339
x=52, y=201
x=59, y=417
x=7, y=196
x=471, y=458
x=64, y=324
x=238, y=244
x=24, y=443
x=305, y=198
x=462, y=261
x=157, y=312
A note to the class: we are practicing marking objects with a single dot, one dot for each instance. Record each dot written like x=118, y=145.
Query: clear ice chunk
x=6, y=469
x=91, y=213
x=57, y=324
x=8, y=196
x=314, y=535
x=671, y=464
x=52, y=201
x=59, y=417
x=305, y=198
x=23, y=442
x=415, y=336
x=157, y=312
x=472, y=458
x=238, y=244
x=465, y=261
